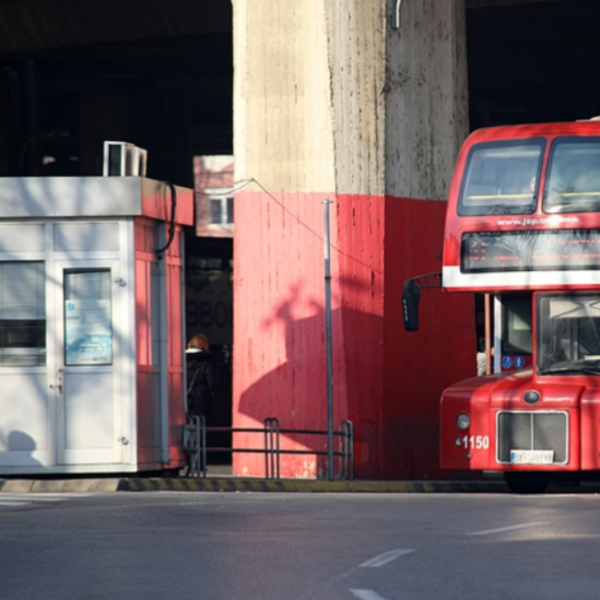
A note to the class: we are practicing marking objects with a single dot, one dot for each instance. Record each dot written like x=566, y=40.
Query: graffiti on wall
x=209, y=308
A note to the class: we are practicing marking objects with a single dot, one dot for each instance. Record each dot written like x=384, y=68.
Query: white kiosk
x=91, y=324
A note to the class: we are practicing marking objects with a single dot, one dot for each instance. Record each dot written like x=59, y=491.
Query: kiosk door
x=88, y=348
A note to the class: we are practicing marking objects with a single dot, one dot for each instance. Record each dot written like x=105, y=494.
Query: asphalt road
x=252, y=546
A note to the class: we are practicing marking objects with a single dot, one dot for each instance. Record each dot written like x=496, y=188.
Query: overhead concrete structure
x=332, y=102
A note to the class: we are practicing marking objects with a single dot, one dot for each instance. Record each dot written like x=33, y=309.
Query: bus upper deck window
x=501, y=178
x=573, y=182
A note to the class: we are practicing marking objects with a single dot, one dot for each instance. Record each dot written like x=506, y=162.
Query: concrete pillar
x=333, y=103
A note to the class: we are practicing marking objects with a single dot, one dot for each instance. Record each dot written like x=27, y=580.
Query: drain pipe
x=328, y=345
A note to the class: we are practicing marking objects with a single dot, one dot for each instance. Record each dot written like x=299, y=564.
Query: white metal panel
x=86, y=236
x=89, y=422
x=22, y=237
x=124, y=322
x=69, y=196
x=89, y=197
x=24, y=438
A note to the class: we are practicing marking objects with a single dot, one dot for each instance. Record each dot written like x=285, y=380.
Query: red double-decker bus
x=523, y=229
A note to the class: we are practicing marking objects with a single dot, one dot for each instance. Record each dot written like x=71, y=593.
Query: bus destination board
x=549, y=250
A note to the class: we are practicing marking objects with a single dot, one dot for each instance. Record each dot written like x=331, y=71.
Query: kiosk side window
x=22, y=314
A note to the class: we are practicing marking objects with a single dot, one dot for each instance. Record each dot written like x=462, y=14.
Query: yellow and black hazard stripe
x=141, y=484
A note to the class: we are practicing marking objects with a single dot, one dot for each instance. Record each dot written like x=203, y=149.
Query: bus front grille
x=534, y=430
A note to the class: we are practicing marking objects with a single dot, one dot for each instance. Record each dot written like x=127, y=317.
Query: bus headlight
x=463, y=421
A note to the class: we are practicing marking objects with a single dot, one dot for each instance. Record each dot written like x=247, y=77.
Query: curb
x=214, y=484
x=148, y=484
x=135, y=484
x=238, y=484
x=58, y=486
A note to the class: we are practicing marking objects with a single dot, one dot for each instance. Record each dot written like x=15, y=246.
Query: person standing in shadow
x=200, y=376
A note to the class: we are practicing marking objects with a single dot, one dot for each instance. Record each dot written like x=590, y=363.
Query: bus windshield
x=501, y=178
x=573, y=183
x=568, y=334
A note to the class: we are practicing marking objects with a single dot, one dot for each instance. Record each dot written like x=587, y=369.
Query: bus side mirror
x=410, y=305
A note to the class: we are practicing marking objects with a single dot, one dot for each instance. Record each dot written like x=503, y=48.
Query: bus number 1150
x=476, y=442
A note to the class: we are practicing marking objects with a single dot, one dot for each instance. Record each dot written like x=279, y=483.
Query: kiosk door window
x=88, y=327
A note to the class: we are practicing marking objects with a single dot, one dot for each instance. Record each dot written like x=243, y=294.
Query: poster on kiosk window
x=88, y=332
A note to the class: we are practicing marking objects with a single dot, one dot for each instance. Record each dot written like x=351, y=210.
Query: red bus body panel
x=484, y=397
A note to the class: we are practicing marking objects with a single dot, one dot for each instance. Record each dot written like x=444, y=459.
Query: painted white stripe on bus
x=453, y=278
x=367, y=595
x=509, y=528
x=385, y=558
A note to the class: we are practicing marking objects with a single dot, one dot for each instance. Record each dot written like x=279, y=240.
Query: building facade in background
x=213, y=186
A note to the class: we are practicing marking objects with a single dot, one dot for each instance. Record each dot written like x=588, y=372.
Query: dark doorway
x=209, y=310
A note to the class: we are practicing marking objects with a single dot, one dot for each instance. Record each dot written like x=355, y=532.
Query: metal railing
x=195, y=445
x=345, y=452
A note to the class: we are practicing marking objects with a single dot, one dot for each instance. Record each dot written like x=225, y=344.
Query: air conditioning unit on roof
x=123, y=159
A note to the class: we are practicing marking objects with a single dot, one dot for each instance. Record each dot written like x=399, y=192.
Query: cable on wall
x=171, y=233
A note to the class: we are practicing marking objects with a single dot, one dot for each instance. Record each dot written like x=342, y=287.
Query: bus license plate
x=532, y=457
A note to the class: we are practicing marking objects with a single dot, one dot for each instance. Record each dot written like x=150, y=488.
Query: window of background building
x=213, y=186
x=221, y=208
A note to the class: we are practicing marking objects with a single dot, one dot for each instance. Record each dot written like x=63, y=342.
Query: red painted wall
x=361, y=229
x=419, y=365
x=387, y=382
x=148, y=404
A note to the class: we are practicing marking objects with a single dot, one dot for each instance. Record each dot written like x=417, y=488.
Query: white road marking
x=367, y=595
x=509, y=528
x=385, y=558
x=7, y=499
x=34, y=497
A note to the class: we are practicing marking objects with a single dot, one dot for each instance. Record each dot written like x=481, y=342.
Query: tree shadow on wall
x=387, y=382
x=295, y=392
x=20, y=448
